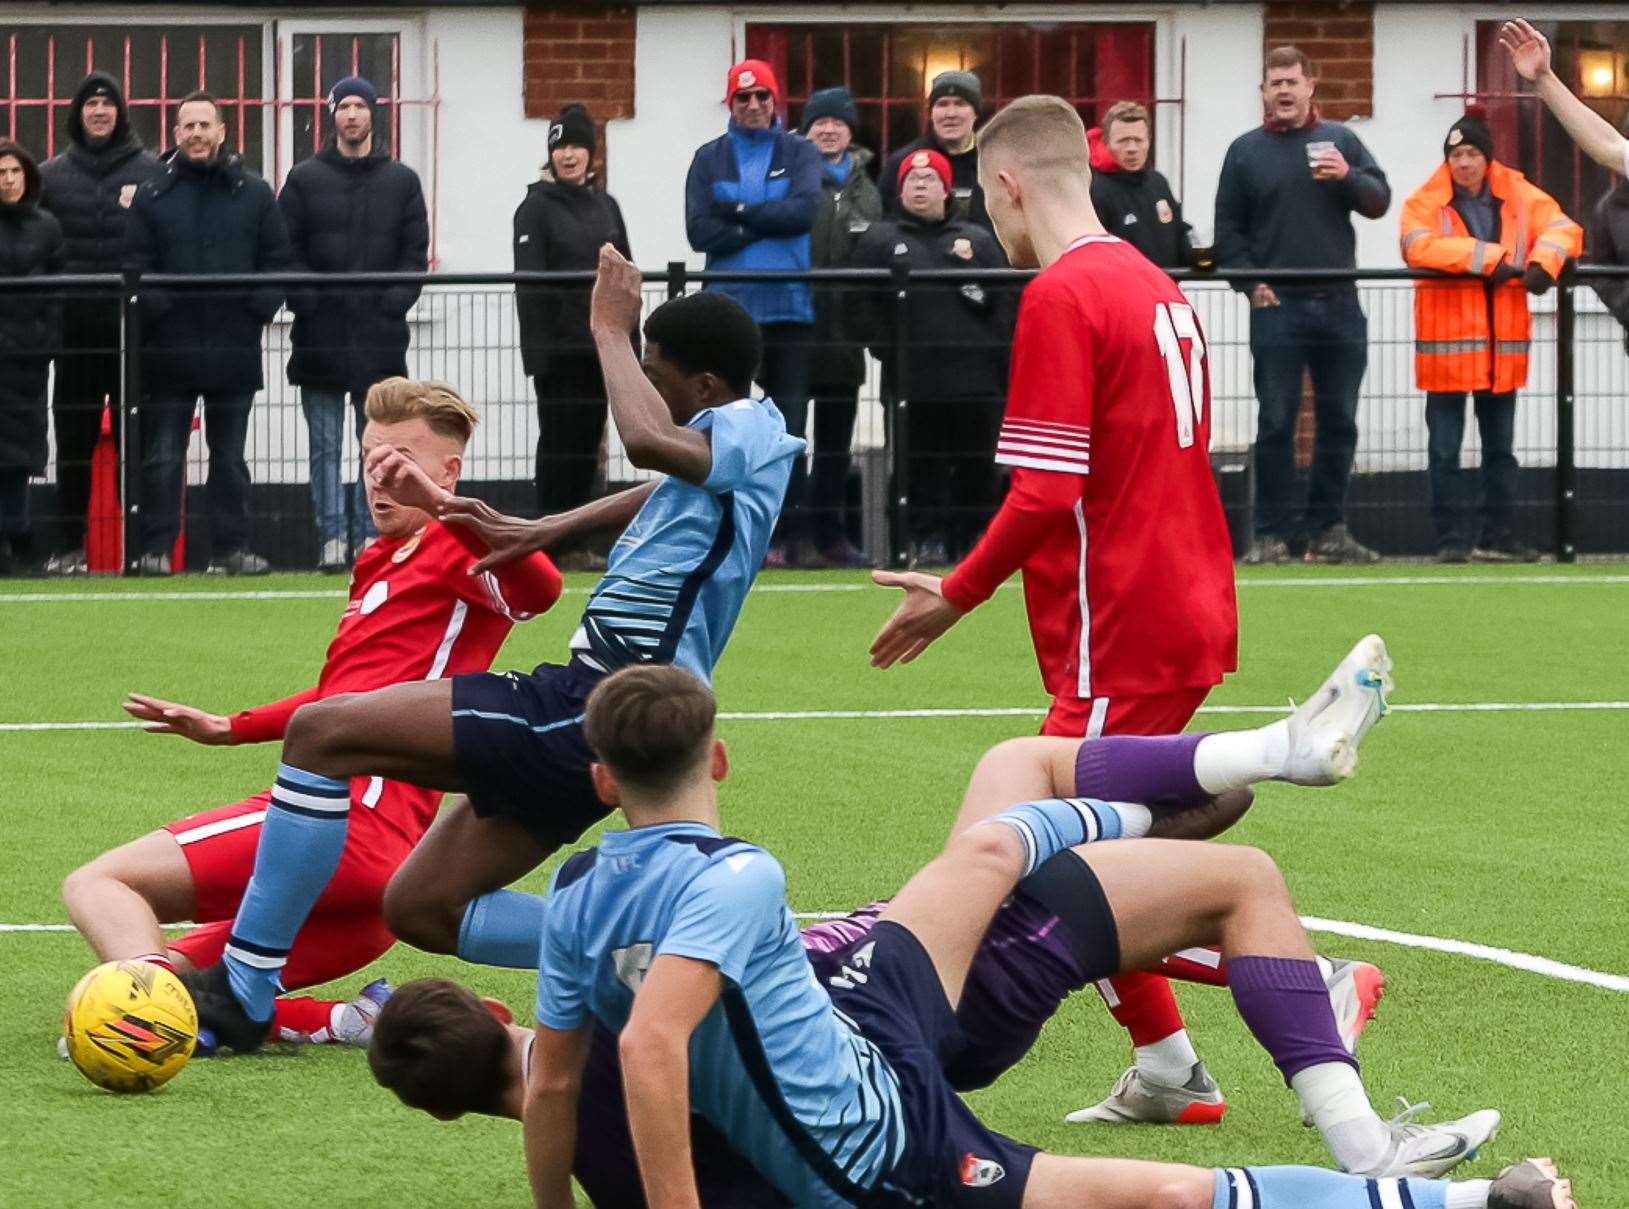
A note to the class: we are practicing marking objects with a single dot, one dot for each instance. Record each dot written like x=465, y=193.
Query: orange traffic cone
x=104, y=521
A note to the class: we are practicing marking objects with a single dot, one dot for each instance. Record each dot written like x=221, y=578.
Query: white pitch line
x=1527, y=962
x=1019, y=711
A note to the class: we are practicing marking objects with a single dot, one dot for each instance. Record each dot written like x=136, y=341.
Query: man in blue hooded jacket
x=750, y=202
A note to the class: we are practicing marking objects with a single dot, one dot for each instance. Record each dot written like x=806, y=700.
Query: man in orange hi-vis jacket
x=1476, y=217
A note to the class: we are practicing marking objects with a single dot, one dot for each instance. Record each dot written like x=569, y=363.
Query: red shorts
x=345, y=931
x=1089, y=717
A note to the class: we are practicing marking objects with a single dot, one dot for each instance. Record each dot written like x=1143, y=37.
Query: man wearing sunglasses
x=750, y=202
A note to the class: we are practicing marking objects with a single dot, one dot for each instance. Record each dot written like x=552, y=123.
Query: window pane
x=322, y=60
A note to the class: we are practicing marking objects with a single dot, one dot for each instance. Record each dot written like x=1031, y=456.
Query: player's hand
x=161, y=717
x=403, y=481
x=507, y=537
x=1332, y=165
x=1529, y=50
x=618, y=294
x=1263, y=296
x=922, y=616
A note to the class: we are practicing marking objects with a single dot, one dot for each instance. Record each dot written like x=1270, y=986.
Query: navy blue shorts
x=518, y=742
x=951, y=1159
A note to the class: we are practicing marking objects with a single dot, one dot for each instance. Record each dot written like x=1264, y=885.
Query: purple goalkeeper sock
x=1155, y=771
x=1286, y=1005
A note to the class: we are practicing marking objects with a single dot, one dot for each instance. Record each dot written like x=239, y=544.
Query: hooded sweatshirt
x=30, y=321
x=89, y=186
x=1139, y=207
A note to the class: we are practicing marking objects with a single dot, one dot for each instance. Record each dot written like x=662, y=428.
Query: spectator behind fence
x=561, y=225
x=851, y=203
x=30, y=332
x=204, y=213
x=750, y=203
x=1134, y=200
x=956, y=346
x=350, y=209
x=1477, y=217
x=1285, y=201
x=89, y=187
x=955, y=104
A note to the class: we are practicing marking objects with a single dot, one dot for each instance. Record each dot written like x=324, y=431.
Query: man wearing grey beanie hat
x=955, y=104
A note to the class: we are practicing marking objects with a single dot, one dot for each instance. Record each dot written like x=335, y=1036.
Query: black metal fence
x=910, y=479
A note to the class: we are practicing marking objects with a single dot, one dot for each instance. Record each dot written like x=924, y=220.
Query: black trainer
x=220, y=1012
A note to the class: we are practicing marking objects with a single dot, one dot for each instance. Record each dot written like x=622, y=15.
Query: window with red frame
x=1589, y=58
x=889, y=67
x=322, y=60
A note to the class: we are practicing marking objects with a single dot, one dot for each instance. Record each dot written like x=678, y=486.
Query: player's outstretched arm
x=921, y=617
x=655, y=1050
x=652, y=439
x=549, y=1118
x=511, y=537
x=161, y=717
x=1529, y=53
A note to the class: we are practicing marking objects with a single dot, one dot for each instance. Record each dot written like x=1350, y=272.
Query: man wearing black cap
x=955, y=102
x=560, y=225
x=89, y=187
x=350, y=209
x=851, y=204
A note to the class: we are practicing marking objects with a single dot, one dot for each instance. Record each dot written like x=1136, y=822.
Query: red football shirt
x=414, y=613
x=1112, y=514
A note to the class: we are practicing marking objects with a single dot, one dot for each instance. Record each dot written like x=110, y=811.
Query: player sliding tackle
x=679, y=940
x=513, y=744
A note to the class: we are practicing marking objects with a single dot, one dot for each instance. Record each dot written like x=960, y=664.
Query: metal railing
x=1572, y=435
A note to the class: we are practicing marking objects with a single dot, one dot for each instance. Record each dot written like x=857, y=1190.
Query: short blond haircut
x=1124, y=111
x=1044, y=133
x=437, y=404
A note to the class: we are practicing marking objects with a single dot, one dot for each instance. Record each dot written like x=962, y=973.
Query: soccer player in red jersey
x=415, y=612
x=1112, y=513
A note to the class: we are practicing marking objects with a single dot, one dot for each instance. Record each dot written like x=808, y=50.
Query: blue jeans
x=1451, y=492
x=165, y=430
x=1327, y=333
x=325, y=428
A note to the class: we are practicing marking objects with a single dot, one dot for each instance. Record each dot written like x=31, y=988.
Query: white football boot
x=1324, y=732
x=1429, y=1152
x=1138, y=1101
x=1355, y=988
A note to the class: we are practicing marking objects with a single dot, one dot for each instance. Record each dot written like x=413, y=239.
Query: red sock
x=1144, y=1006
x=157, y=959
x=1196, y=965
x=305, y=1018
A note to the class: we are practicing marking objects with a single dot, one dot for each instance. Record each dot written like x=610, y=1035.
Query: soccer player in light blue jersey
x=679, y=940
x=513, y=744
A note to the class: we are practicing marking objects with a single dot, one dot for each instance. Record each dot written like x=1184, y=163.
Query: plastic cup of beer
x=1315, y=152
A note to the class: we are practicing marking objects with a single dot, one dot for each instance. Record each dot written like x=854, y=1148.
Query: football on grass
x=130, y=1026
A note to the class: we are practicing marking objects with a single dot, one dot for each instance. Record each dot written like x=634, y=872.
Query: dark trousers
x=835, y=409
x=166, y=426
x=571, y=412
x=784, y=377
x=14, y=505
x=86, y=379
x=1451, y=490
x=1328, y=334
x=950, y=469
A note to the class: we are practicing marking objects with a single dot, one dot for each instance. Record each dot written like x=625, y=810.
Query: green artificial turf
x=1506, y=828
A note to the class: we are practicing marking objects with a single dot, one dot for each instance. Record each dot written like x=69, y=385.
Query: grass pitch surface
x=1503, y=827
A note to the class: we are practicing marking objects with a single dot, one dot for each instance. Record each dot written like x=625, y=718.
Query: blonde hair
x=1044, y=133
x=1124, y=111
x=437, y=404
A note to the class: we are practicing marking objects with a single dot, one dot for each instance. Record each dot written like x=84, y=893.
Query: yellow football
x=130, y=1026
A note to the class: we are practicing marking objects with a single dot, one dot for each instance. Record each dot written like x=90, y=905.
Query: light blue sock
x=503, y=928
x=1049, y=825
x=1316, y=1188
x=300, y=845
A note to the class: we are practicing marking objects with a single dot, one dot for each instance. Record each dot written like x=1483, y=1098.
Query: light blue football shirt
x=774, y=1066
x=680, y=572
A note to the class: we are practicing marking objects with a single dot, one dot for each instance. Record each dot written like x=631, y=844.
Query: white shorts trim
x=205, y=831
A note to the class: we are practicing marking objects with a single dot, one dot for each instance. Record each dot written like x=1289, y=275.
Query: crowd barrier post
x=130, y=415
x=898, y=418
x=1566, y=469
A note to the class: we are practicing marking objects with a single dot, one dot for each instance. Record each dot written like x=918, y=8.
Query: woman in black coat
x=30, y=329
x=562, y=223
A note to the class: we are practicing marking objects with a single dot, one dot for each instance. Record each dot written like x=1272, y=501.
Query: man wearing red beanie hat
x=750, y=201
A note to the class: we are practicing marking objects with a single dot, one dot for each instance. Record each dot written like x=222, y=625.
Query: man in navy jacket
x=750, y=202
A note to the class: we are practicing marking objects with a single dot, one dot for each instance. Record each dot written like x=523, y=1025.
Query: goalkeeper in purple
x=678, y=940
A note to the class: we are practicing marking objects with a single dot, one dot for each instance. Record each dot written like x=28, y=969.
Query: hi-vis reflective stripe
x=1513, y=347
x=1479, y=257
x=1443, y=348
x=1447, y=223
x=1553, y=246
x=1413, y=237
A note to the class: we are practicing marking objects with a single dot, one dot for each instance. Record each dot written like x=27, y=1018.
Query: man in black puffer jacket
x=560, y=225
x=205, y=213
x=89, y=188
x=350, y=209
x=1134, y=200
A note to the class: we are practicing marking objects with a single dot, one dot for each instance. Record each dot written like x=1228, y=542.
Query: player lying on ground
x=1596, y=137
x=513, y=743
x=414, y=613
x=680, y=941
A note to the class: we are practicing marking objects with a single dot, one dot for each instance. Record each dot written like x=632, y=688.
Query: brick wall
x=1338, y=36
x=583, y=53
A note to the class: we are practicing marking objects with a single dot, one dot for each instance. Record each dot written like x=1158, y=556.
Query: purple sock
x=1155, y=771
x=1286, y=1005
